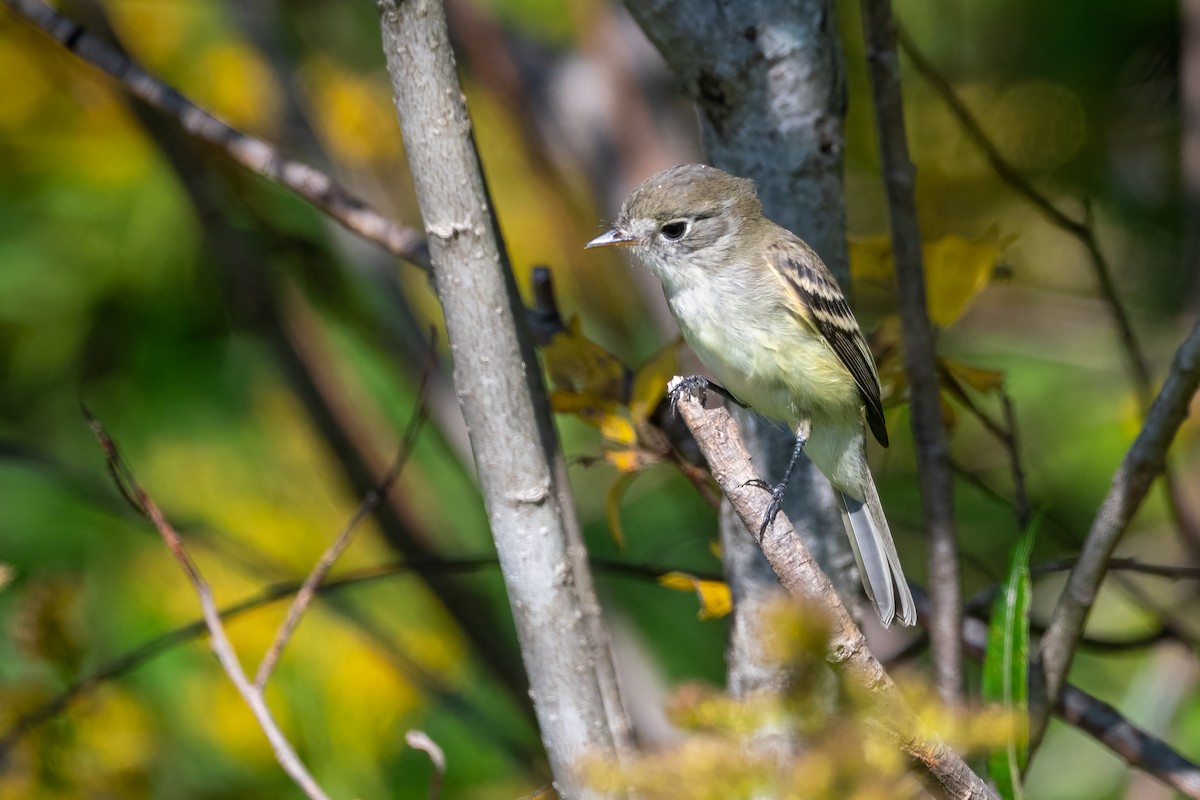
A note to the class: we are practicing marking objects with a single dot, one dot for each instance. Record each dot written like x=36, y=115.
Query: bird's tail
x=875, y=552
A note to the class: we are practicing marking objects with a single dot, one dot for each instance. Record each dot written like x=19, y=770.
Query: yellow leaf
x=957, y=270
x=616, y=428
x=979, y=379
x=715, y=598
x=236, y=83
x=582, y=404
x=650, y=382
x=612, y=507
x=22, y=98
x=949, y=418
x=630, y=460
x=354, y=117
x=576, y=363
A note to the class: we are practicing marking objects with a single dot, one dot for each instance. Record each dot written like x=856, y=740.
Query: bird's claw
x=773, y=507
x=695, y=385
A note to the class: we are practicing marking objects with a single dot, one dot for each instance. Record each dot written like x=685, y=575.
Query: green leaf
x=1006, y=667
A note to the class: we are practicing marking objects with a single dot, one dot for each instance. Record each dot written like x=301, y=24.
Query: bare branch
x=419, y=740
x=1142, y=464
x=320, y=570
x=1006, y=433
x=256, y=155
x=920, y=357
x=848, y=652
x=219, y=642
x=499, y=387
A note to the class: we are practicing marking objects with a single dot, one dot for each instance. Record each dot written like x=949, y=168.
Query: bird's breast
x=762, y=352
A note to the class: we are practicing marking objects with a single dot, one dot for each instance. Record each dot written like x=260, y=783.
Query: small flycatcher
x=762, y=312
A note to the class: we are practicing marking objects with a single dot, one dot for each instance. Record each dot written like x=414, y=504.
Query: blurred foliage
x=198, y=312
x=734, y=747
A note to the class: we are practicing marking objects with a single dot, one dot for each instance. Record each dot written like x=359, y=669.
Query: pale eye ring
x=674, y=230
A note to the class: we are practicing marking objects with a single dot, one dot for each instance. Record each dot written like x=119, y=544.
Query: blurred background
x=258, y=364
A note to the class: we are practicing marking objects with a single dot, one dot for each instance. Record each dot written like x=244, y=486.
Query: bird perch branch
x=799, y=573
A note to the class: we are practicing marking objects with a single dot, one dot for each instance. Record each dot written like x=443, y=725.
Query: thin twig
x=1082, y=230
x=1169, y=571
x=369, y=503
x=1006, y=433
x=920, y=357
x=219, y=642
x=1142, y=464
x=163, y=643
x=420, y=740
x=258, y=156
x=848, y=652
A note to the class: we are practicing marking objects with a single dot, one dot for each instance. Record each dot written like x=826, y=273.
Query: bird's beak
x=614, y=238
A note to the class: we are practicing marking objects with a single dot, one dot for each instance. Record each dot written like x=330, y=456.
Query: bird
x=762, y=312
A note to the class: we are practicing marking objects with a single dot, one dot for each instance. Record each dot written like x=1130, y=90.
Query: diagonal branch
x=256, y=155
x=221, y=646
x=320, y=570
x=920, y=357
x=848, y=652
x=1142, y=464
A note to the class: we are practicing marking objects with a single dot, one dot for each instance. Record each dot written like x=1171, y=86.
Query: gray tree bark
x=498, y=381
x=767, y=80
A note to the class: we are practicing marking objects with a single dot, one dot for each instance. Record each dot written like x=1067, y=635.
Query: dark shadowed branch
x=320, y=570
x=799, y=573
x=254, y=154
x=920, y=358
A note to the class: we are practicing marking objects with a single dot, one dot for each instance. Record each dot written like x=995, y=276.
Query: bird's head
x=685, y=218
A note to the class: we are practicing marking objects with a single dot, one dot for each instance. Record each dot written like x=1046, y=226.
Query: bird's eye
x=674, y=230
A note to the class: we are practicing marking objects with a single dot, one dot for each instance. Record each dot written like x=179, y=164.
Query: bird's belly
x=778, y=367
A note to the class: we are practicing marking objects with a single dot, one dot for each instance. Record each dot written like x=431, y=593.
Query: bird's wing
x=823, y=307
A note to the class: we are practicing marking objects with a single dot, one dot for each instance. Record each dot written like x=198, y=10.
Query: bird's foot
x=773, y=508
x=695, y=385
x=698, y=386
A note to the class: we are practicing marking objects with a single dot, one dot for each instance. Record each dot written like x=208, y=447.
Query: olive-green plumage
x=762, y=312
